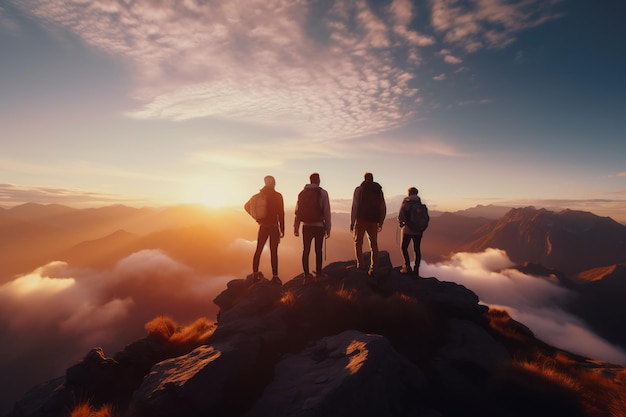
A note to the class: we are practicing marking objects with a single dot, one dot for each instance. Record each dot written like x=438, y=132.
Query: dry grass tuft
x=162, y=327
x=500, y=321
x=87, y=410
x=561, y=385
x=180, y=339
x=195, y=333
x=288, y=299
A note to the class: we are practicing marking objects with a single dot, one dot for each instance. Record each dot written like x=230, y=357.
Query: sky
x=164, y=102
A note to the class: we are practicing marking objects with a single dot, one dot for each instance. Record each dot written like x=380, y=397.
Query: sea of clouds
x=52, y=316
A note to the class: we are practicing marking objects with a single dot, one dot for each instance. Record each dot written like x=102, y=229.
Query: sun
x=212, y=194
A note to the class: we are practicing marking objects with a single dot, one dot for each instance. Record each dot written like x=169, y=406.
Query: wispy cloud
x=405, y=146
x=6, y=23
x=349, y=71
x=11, y=194
x=478, y=24
x=449, y=58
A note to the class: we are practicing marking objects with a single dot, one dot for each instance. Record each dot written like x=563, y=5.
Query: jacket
x=401, y=216
x=356, y=203
x=325, y=202
x=275, y=209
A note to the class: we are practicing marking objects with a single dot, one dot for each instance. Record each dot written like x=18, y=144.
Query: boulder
x=348, y=374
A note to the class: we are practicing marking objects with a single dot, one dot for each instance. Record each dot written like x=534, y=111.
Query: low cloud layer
x=54, y=315
x=533, y=301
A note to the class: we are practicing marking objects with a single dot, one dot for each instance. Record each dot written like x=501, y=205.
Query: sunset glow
x=132, y=133
x=145, y=103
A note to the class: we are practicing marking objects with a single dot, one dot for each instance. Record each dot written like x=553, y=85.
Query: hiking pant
x=406, y=240
x=308, y=234
x=267, y=231
x=371, y=228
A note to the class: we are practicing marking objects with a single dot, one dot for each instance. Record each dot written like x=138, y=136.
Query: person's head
x=413, y=191
x=315, y=178
x=369, y=177
x=269, y=181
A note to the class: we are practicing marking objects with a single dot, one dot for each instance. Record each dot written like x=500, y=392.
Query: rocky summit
x=341, y=344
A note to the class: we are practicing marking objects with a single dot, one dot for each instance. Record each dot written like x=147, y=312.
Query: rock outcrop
x=344, y=344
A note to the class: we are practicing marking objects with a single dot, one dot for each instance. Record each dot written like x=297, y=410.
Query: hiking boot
x=276, y=280
x=308, y=278
x=405, y=270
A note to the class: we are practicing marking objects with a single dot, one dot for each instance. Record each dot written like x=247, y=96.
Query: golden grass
x=180, y=338
x=562, y=382
x=162, y=327
x=86, y=409
x=500, y=321
x=196, y=332
x=288, y=299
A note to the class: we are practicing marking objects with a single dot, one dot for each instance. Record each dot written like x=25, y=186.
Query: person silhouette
x=271, y=220
x=413, y=220
x=313, y=211
x=367, y=216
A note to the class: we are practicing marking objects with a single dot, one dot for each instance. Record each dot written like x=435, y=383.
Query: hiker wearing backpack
x=267, y=208
x=413, y=220
x=313, y=211
x=367, y=216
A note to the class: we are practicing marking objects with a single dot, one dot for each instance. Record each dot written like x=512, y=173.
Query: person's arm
x=281, y=215
x=327, y=214
x=401, y=219
x=296, y=222
x=383, y=209
x=355, y=207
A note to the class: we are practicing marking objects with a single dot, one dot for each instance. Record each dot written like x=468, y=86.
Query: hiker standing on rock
x=268, y=209
x=313, y=211
x=413, y=220
x=367, y=216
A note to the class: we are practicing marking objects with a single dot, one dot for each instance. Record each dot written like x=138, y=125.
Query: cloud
x=12, y=194
x=412, y=146
x=7, y=24
x=323, y=70
x=255, y=61
x=531, y=300
x=65, y=311
x=479, y=24
x=439, y=77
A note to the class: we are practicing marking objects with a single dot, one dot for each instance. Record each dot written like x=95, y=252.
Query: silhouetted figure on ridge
x=413, y=220
x=313, y=211
x=367, y=216
x=268, y=209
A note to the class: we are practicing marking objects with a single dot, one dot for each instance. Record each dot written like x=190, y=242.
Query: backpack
x=370, y=201
x=310, y=205
x=416, y=216
x=258, y=206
